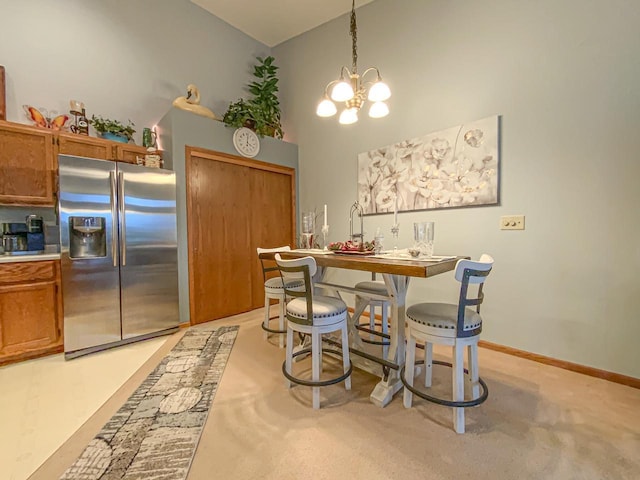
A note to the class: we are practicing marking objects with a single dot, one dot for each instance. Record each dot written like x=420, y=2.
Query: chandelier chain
x=354, y=37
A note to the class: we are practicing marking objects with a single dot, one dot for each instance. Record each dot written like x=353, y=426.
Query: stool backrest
x=471, y=272
x=303, y=269
x=267, y=261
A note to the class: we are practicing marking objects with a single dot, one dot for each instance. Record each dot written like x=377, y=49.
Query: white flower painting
x=455, y=167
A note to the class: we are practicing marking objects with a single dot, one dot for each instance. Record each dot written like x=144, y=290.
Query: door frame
x=234, y=160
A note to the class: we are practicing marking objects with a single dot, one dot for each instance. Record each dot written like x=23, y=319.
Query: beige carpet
x=540, y=422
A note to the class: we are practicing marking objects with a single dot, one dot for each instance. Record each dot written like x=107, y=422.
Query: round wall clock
x=246, y=142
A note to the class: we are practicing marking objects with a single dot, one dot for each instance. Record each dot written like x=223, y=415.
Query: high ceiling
x=275, y=21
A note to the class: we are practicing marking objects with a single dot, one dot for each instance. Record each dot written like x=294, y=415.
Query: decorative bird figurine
x=191, y=103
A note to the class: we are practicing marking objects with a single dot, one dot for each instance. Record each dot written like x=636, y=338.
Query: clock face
x=246, y=142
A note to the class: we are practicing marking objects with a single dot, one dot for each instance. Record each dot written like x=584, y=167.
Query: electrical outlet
x=512, y=222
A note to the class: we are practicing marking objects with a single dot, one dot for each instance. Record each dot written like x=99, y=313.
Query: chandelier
x=351, y=88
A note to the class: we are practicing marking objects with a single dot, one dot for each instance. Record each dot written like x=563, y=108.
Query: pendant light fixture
x=352, y=90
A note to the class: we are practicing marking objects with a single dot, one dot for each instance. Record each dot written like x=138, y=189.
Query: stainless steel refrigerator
x=118, y=248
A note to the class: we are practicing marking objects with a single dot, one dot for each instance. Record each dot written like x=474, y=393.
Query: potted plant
x=239, y=115
x=261, y=113
x=113, y=129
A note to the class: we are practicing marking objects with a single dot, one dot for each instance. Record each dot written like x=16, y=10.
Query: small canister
x=14, y=243
x=149, y=138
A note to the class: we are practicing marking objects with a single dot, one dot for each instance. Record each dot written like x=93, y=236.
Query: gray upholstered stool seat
x=444, y=316
x=326, y=310
x=372, y=286
x=274, y=285
x=362, y=301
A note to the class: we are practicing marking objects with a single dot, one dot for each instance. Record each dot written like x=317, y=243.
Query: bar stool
x=273, y=289
x=453, y=325
x=362, y=302
x=313, y=315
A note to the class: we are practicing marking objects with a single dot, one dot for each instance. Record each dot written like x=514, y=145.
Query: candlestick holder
x=325, y=233
x=395, y=229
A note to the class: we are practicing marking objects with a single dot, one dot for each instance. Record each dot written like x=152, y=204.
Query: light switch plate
x=512, y=222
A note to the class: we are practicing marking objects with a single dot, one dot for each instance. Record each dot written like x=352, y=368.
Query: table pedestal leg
x=385, y=389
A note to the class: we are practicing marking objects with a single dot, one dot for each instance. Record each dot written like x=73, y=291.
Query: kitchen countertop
x=51, y=252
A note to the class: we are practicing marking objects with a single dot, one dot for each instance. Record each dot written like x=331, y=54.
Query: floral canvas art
x=455, y=167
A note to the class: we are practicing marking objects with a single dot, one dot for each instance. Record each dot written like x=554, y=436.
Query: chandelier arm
x=329, y=85
x=372, y=69
x=344, y=69
x=341, y=79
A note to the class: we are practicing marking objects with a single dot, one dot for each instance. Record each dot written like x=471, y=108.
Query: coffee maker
x=23, y=238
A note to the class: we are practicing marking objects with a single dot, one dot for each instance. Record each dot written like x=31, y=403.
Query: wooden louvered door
x=234, y=205
x=272, y=221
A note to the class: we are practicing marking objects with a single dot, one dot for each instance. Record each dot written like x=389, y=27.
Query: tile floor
x=44, y=401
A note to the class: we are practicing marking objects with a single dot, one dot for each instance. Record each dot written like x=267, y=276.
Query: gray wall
x=123, y=59
x=565, y=77
x=178, y=129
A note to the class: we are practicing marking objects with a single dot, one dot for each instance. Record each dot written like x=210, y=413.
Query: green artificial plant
x=239, y=115
x=105, y=125
x=261, y=112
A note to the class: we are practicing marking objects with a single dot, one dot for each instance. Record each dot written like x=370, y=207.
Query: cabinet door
x=220, y=257
x=28, y=319
x=27, y=165
x=234, y=205
x=271, y=223
x=30, y=309
x=129, y=153
x=83, y=146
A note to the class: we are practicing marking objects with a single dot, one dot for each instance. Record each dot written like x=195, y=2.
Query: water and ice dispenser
x=87, y=237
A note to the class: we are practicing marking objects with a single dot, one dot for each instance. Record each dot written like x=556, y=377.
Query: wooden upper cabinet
x=84, y=146
x=92, y=147
x=29, y=160
x=129, y=153
x=27, y=165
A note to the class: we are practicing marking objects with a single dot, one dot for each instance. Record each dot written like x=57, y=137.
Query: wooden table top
x=409, y=268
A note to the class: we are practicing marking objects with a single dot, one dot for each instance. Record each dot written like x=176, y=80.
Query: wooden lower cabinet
x=30, y=310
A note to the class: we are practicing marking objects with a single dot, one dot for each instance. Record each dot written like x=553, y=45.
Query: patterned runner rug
x=155, y=434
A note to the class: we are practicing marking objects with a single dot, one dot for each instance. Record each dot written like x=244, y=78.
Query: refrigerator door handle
x=123, y=223
x=114, y=230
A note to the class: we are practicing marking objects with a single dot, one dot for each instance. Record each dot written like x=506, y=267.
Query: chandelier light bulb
x=342, y=92
x=379, y=92
x=378, y=110
x=348, y=116
x=326, y=108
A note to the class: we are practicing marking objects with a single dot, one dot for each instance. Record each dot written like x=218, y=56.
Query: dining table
x=396, y=269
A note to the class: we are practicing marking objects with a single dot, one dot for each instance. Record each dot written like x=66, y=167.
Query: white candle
x=325, y=214
x=395, y=212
